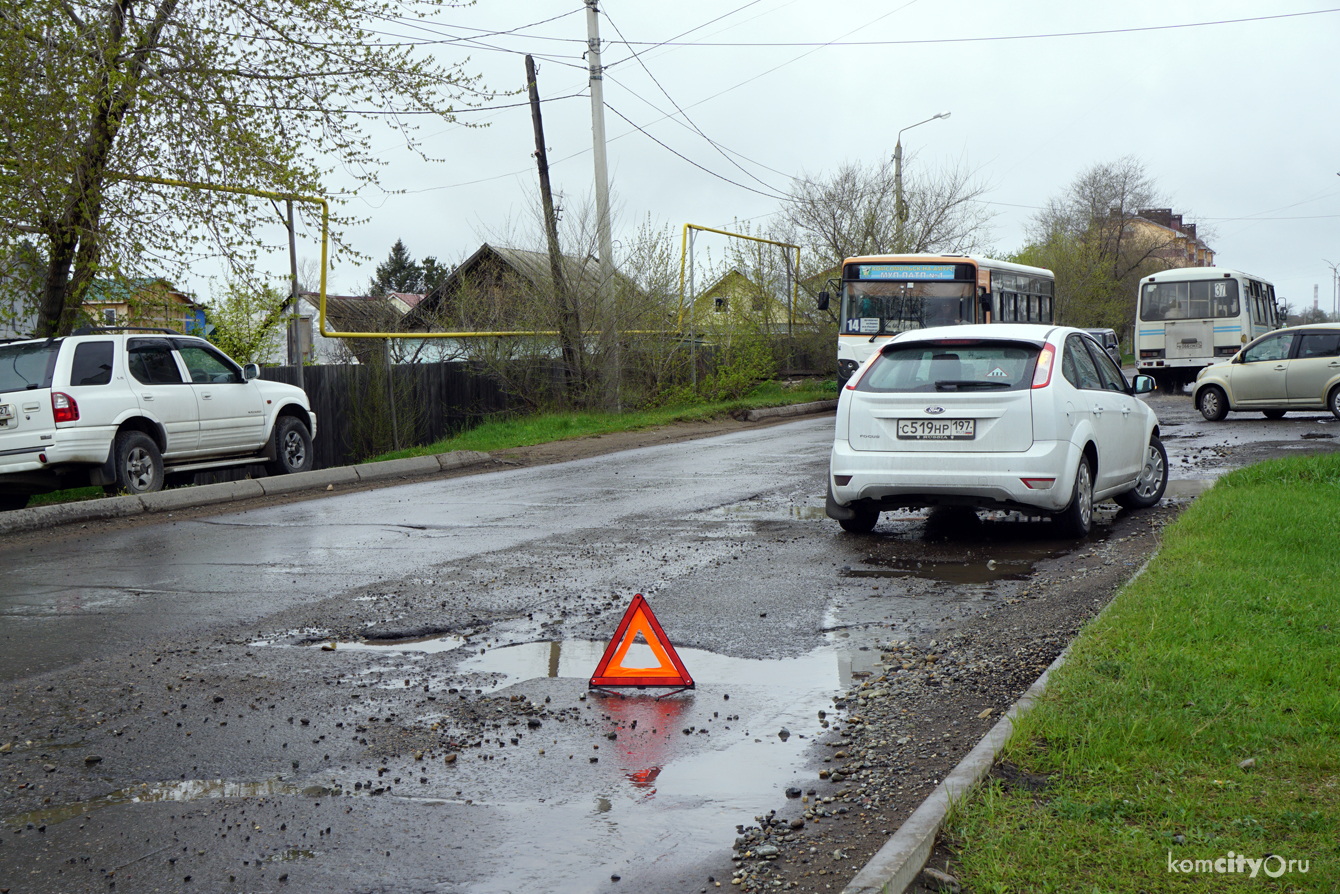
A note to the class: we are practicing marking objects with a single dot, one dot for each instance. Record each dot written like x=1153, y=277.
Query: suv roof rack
x=94, y=330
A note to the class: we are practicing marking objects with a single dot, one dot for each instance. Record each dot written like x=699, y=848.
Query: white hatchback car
x=1035, y=418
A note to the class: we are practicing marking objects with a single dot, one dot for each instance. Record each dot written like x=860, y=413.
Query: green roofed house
x=146, y=302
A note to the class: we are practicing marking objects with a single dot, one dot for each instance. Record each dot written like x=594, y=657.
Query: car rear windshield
x=27, y=365
x=952, y=365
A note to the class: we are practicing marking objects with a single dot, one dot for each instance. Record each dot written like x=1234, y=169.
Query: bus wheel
x=1213, y=404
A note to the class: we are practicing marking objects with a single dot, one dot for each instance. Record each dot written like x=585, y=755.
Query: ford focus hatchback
x=1035, y=418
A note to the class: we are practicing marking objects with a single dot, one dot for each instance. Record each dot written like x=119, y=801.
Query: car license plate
x=6, y=412
x=937, y=429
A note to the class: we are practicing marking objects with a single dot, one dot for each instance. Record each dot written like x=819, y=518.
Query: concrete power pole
x=609, y=325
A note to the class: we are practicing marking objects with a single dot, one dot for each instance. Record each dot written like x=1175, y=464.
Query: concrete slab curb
x=38, y=518
x=896, y=865
x=818, y=406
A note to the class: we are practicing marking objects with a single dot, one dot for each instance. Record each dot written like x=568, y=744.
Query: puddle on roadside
x=148, y=793
x=755, y=512
x=1187, y=488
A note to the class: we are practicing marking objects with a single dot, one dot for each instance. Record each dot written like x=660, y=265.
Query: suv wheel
x=139, y=465
x=1334, y=401
x=1152, y=482
x=293, y=448
x=1077, y=518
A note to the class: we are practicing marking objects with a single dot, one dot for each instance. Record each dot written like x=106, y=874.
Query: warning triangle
x=637, y=620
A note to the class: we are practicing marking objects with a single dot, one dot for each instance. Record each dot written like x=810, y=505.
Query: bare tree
x=851, y=212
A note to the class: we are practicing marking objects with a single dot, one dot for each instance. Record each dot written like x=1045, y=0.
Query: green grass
x=542, y=428
x=72, y=495
x=1225, y=649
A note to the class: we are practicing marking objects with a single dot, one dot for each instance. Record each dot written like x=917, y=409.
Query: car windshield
x=952, y=365
x=27, y=365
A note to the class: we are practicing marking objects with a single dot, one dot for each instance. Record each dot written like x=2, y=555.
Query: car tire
x=1077, y=518
x=1333, y=401
x=1153, y=479
x=138, y=464
x=1274, y=414
x=10, y=502
x=293, y=448
x=863, y=522
x=1212, y=403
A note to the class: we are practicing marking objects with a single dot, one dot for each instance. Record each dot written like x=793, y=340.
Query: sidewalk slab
x=39, y=517
x=818, y=406
x=287, y=484
x=396, y=468
x=201, y=495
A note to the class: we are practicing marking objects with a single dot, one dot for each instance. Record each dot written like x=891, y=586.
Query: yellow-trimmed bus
x=882, y=295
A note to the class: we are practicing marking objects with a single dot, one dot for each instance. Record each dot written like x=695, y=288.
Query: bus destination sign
x=907, y=271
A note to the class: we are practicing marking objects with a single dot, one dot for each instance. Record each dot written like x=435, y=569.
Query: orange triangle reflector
x=669, y=672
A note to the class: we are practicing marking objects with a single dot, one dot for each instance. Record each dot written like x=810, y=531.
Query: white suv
x=124, y=409
x=1002, y=416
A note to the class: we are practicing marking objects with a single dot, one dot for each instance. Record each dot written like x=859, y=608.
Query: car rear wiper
x=967, y=384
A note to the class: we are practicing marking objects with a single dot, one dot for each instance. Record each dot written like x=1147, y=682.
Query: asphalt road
x=169, y=711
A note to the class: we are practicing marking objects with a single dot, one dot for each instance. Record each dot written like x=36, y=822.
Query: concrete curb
x=896, y=865
x=39, y=518
x=818, y=406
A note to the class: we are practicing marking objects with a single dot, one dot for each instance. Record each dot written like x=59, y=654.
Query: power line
x=773, y=195
x=691, y=123
x=1006, y=37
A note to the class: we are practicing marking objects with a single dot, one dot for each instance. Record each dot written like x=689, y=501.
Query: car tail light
x=1038, y=483
x=1042, y=373
x=63, y=407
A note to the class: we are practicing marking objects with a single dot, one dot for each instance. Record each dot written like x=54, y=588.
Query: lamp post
x=900, y=207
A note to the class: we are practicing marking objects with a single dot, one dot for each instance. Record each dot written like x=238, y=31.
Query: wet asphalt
x=171, y=720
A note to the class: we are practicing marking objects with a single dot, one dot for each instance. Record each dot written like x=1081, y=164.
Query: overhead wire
x=698, y=130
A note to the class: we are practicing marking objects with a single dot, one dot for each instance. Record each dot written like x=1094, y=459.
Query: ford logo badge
x=935, y=411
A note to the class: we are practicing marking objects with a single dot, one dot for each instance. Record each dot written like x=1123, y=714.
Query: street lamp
x=900, y=207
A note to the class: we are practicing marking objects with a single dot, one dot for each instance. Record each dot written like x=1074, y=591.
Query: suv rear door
x=163, y=393
x=26, y=369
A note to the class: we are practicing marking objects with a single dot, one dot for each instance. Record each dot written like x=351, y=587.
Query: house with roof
x=149, y=302
x=1177, y=242
x=737, y=300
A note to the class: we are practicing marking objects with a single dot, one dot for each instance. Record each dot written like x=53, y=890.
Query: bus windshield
x=1200, y=299
x=877, y=307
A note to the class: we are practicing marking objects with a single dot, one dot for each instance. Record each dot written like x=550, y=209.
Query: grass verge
x=1197, y=720
x=542, y=428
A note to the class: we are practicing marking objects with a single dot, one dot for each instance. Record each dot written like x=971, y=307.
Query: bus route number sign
x=921, y=272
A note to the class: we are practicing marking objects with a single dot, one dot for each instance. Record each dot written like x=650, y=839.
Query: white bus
x=1188, y=318
x=886, y=294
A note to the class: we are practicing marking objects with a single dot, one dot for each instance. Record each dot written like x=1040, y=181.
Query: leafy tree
x=398, y=273
x=1086, y=237
x=247, y=320
x=242, y=93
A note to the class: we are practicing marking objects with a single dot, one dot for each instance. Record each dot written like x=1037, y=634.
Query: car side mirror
x=250, y=371
x=822, y=302
x=1142, y=385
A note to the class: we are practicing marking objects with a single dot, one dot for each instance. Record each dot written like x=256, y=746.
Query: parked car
x=1288, y=369
x=1026, y=417
x=124, y=409
x=1107, y=338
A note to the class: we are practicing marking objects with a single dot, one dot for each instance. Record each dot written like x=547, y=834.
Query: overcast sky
x=1235, y=121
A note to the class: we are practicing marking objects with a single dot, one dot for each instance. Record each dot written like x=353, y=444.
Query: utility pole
x=569, y=317
x=609, y=329
x=295, y=324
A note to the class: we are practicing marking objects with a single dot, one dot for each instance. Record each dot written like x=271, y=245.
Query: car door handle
x=1281, y=367
x=147, y=396
x=205, y=395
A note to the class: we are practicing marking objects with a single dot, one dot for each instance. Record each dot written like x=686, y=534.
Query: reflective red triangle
x=670, y=671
